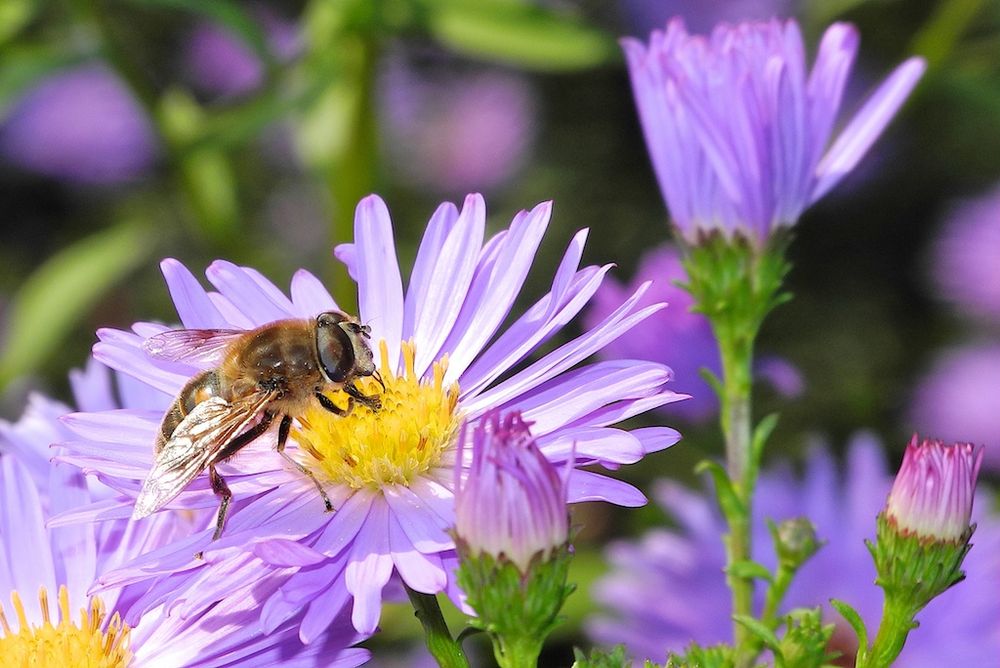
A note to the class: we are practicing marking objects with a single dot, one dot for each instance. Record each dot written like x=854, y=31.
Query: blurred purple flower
x=702, y=15
x=81, y=125
x=674, y=334
x=64, y=559
x=390, y=474
x=738, y=130
x=221, y=63
x=512, y=502
x=668, y=588
x=677, y=335
x=966, y=257
x=780, y=374
x=456, y=131
x=957, y=400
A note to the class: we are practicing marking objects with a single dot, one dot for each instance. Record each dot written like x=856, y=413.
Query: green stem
x=445, y=649
x=775, y=595
x=338, y=134
x=351, y=172
x=736, y=349
x=896, y=624
x=735, y=282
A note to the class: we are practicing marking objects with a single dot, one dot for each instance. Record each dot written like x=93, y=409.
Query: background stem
x=736, y=350
x=445, y=649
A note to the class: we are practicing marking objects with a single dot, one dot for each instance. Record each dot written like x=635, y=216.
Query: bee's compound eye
x=336, y=352
x=329, y=319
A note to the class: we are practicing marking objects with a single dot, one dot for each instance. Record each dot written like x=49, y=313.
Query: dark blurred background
x=133, y=130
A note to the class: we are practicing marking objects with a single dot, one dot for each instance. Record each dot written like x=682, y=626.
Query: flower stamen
x=59, y=643
x=394, y=445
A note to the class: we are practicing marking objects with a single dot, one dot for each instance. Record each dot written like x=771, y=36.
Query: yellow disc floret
x=395, y=444
x=63, y=643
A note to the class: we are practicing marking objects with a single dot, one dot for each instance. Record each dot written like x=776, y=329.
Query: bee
x=274, y=371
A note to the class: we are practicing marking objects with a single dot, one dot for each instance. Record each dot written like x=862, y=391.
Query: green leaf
x=761, y=433
x=713, y=381
x=228, y=13
x=854, y=619
x=749, y=569
x=57, y=295
x=730, y=503
x=759, y=629
x=14, y=15
x=23, y=66
x=520, y=34
x=231, y=127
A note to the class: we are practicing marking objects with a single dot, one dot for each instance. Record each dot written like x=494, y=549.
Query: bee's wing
x=195, y=443
x=200, y=347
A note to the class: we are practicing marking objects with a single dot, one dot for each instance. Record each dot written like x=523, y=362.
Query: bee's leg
x=244, y=439
x=328, y=404
x=220, y=487
x=369, y=400
x=286, y=424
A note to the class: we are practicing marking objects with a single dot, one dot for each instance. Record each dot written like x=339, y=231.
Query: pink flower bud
x=513, y=501
x=932, y=494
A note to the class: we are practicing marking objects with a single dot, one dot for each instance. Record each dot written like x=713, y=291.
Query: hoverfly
x=273, y=371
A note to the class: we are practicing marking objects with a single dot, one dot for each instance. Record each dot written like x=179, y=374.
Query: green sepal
x=749, y=569
x=805, y=641
x=517, y=609
x=913, y=569
x=852, y=617
x=736, y=282
x=695, y=656
x=616, y=657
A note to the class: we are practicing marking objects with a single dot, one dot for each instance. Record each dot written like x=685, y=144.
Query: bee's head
x=341, y=342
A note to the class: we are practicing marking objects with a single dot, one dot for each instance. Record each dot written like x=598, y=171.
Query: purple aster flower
x=81, y=125
x=966, y=257
x=456, y=132
x=512, y=502
x=220, y=63
x=443, y=360
x=738, y=130
x=678, y=335
x=931, y=496
x=47, y=571
x=668, y=588
x=957, y=399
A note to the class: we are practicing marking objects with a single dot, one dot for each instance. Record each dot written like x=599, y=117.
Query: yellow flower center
x=395, y=444
x=63, y=644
